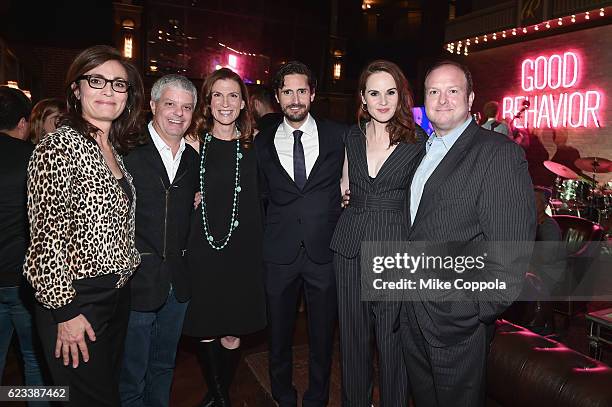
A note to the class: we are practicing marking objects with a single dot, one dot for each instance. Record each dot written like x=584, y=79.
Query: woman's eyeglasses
x=98, y=82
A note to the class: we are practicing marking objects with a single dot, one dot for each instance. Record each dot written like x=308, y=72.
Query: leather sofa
x=526, y=369
x=582, y=238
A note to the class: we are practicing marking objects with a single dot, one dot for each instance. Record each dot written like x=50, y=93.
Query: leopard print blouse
x=81, y=222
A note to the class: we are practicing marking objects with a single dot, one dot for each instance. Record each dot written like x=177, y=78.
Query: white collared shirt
x=171, y=163
x=283, y=142
x=500, y=128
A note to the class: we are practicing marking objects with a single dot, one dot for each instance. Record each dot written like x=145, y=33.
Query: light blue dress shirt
x=436, y=149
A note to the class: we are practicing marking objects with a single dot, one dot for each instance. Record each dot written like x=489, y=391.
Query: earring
x=129, y=109
x=364, y=107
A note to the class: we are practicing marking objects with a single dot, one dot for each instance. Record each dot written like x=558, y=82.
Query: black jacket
x=14, y=157
x=163, y=212
x=294, y=217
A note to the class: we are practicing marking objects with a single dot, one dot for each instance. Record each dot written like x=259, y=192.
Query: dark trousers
x=452, y=375
x=361, y=322
x=95, y=383
x=283, y=283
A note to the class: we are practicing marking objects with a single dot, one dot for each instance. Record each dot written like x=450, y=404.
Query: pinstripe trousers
x=360, y=323
x=453, y=375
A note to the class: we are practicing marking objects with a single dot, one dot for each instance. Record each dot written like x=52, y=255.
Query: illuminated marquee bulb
x=573, y=18
x=504, y=34
x=560, y=21
x=587, y=15
x=494, y=36
x=476, y=40
x=601, y=12
x=547, y=24
x=465, y=51
x=524, y=30
x=537, y=28
x=468, y=42
x=485, y=38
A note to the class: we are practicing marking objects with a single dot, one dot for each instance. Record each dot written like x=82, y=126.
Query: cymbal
x=594, y=164
x=560, y=169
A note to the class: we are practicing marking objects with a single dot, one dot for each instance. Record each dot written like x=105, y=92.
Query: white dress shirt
x=283, y=142
x=436, y=149
x=171, y=163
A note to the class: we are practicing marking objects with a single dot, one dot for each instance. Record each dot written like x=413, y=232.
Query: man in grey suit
x=471, y=185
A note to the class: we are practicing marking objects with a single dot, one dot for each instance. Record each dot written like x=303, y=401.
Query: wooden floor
x=251, y=385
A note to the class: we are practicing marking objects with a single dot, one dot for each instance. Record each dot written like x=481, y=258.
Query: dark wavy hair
x=125, y=131
x=203, y=120
x=401, y=127
x=293, y=68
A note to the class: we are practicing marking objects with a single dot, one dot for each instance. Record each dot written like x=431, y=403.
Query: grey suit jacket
x=480, y=191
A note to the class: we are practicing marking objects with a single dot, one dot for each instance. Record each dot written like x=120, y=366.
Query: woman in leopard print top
x=81, y=205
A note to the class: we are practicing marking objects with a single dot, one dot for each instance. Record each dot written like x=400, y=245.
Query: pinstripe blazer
x=480, y=191
x=376, y=209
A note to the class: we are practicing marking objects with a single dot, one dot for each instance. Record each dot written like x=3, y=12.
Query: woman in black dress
x=380, y=151
x=224, y=249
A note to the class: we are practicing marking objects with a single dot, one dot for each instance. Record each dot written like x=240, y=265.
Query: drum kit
x=581, y=195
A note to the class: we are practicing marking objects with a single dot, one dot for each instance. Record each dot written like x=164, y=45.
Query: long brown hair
x=401, y=127
x=125, y=130
x=203, y=120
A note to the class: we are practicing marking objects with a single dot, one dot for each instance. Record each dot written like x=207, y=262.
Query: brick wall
x=51, y=68
x=497, y=73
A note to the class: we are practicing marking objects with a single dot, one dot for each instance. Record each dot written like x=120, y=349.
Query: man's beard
x=295, y=116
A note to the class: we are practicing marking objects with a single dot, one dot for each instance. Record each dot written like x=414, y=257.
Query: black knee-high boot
x=212, y=363
x=231, y=360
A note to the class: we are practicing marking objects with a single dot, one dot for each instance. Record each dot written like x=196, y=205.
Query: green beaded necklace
x=219, y=244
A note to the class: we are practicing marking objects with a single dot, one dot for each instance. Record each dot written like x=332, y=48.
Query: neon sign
x=550, y=83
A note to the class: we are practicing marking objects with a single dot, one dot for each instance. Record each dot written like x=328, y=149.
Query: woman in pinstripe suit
x=380, y=150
